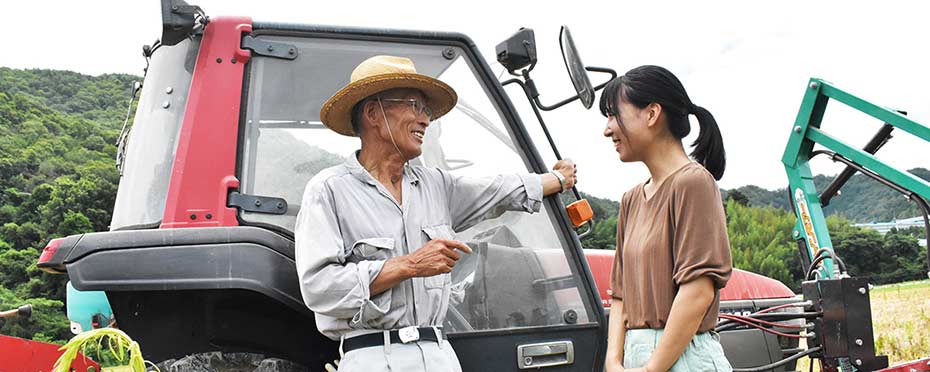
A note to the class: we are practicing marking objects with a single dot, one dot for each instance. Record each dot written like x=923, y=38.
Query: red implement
x=921, y=365
x=17, y=354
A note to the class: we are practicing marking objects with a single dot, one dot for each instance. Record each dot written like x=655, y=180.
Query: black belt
x=377, y=339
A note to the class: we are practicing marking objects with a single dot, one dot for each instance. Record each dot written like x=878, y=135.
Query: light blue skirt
x=703, y=353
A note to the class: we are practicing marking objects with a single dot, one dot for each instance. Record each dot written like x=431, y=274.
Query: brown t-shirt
x=678, y=235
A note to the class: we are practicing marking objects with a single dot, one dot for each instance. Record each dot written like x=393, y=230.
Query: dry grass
x=900, y=320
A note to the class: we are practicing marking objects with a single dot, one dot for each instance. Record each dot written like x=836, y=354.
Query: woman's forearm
x=688, y=309
x=616, y=331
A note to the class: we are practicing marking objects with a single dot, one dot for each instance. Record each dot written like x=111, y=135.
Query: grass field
x=900, y=320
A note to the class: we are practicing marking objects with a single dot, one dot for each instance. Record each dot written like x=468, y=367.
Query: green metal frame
x=812, y=225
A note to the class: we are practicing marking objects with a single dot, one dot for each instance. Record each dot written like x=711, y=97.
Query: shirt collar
x=356, y=169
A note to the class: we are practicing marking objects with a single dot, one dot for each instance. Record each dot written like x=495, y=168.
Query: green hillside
x=862, y=199
x=58, y=132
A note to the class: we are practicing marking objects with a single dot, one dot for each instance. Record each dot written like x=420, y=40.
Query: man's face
x=406, y=122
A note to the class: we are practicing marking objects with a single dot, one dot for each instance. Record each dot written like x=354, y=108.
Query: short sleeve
x=616, y=274
x=700, y=246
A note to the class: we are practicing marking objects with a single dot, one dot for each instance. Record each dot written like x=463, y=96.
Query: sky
x=746, y=62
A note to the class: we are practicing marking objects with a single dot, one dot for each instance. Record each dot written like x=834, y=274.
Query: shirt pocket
x=373, y=249
x=442, y=231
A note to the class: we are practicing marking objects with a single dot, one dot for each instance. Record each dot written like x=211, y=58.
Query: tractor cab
x=200, y=254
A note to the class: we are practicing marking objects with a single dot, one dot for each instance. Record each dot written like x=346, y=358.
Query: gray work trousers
x=420, y=356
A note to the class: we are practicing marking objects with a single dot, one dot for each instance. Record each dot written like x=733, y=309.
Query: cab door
x=525, y=299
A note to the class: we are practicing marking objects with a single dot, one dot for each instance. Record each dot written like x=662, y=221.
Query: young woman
x=673, y=254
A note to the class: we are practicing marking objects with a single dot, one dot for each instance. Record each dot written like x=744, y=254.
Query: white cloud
x=747, y=63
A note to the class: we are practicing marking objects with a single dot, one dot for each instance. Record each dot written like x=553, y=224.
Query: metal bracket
x=270, y=48
x=257, y=204
x=845, y=328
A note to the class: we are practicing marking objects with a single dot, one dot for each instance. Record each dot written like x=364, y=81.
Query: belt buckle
x=408, y=334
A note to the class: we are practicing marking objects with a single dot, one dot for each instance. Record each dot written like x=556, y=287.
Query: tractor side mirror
x=518, y=51
x=576, y=70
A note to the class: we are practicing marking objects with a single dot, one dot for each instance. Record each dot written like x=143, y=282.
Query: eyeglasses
x=417, y=106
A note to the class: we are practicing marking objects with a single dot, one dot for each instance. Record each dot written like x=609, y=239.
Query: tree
x=56, y=178
x=47, y=322
x=21, y=235
x=604, y=235
x=894, y=257
x=737, y=196
x=862, y=251
x=760, y=241
x=14, y=265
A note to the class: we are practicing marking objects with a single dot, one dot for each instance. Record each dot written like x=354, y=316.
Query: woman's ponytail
x=708, y=147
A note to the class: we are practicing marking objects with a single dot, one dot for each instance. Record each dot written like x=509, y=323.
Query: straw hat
x=377, y=74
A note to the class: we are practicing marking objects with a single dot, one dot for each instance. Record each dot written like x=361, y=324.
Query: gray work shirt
x=349, y=224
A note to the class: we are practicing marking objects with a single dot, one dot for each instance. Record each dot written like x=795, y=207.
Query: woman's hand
x=614, y=366
x=688, y=309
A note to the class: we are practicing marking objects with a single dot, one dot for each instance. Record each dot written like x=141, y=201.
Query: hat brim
x=336, y=112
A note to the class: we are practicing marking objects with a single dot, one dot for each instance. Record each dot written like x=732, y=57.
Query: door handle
x=546, y=354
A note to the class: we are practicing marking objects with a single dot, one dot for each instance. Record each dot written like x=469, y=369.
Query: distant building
x=884, y=227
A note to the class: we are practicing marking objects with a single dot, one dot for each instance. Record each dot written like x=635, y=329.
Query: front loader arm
x=840, y=328
x=811, y=228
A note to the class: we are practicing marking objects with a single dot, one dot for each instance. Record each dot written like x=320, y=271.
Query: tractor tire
x=229, y=362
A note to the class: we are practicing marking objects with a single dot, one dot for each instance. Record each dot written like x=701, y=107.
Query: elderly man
x=375, y=236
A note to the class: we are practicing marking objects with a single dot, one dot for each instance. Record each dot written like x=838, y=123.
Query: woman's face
x=629, y=131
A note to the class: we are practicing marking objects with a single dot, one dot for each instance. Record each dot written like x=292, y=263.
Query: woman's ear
x=652, y=112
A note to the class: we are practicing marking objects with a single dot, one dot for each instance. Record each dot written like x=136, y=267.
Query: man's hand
x=569, y=170
x=551, y=184
x=438, y=256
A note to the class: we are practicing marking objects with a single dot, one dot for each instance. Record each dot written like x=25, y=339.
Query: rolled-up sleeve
x=701, y=246
x=329, y=283
x=472, y=200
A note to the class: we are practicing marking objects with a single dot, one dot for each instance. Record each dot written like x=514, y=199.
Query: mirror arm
x=530, y=96
x=613, y=75
x=534, y=94
x=555, y=150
